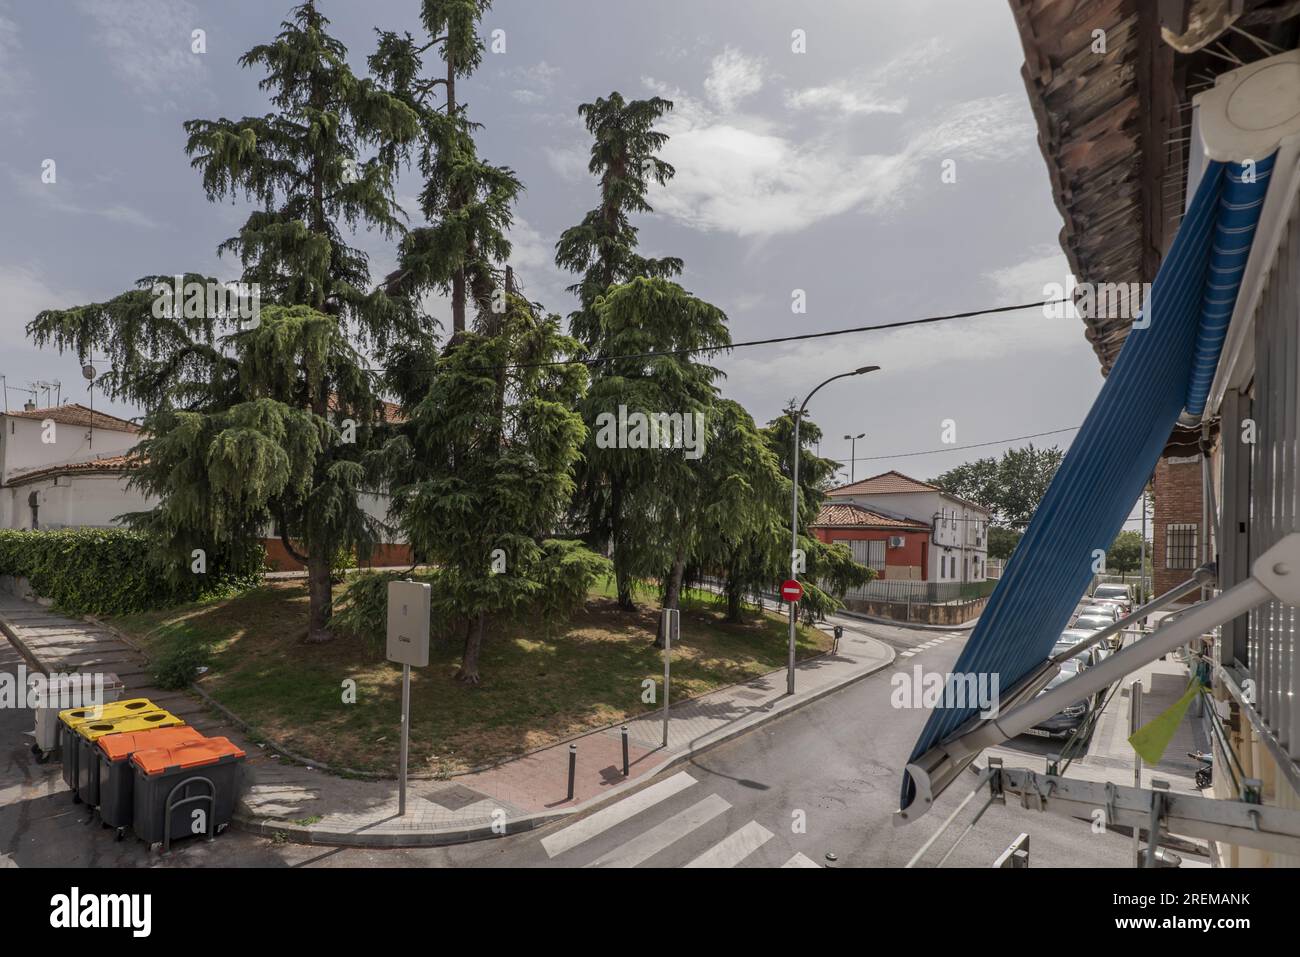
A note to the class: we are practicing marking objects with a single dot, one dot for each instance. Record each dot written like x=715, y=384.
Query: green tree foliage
x=466, y=201
x=483, y=470
x=603, y=246
x=1010, y=487
x=1125, y=552
x=1003, y=542
x=246, y=424
x=649, y=495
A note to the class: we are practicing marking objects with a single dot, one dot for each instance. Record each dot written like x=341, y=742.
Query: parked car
x=1120, y=595
x=1068, y=720
x=1071, y=637
x=1101, y=610
x=1092, y=622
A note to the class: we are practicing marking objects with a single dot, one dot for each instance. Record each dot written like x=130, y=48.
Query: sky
x=816, y=176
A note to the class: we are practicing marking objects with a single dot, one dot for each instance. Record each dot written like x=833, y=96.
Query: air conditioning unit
x=895, y=541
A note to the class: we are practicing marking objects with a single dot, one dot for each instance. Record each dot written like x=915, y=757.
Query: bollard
x=624, y=750
x=573, y=768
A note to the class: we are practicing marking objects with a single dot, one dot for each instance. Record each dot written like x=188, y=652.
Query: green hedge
x=114, y=571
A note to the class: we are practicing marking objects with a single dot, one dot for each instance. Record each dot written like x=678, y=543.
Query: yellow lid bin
x=70, y=718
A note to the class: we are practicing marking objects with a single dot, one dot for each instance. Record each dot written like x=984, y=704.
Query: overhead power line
x=961, y=448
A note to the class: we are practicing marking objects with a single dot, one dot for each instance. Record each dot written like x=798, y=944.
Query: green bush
x=178, y=666
x=115, y=571
x=558, y=579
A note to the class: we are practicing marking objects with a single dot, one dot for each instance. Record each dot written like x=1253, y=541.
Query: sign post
x=791, y=591
x=671, y=626
x=408, y=644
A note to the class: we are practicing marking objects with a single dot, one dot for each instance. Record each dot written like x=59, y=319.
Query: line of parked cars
x=1107, y=605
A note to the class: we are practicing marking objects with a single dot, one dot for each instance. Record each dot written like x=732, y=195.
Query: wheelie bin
x=59, y=692
x=187, y=790
x=89, y=733
x=70, y=718
x=116, y=777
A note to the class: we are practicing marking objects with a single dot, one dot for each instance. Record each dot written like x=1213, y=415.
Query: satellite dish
x=88, y=371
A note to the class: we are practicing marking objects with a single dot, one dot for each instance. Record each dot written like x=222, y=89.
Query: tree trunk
x=319, y=597
x=468, y=672
x=673, y=594
x=733, y=604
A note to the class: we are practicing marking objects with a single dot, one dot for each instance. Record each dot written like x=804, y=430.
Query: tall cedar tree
x=486, y=463
x=245, y=425
x=603, y=249
x=466, y=201
x=654, y=325
x=829, y=570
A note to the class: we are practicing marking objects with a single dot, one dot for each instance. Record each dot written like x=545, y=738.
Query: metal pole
x=669, y=620
x=1142, y=563
x=1135, y=722
x=406, y=738
x=573, y=768
x=794, y=542
x=625, y=766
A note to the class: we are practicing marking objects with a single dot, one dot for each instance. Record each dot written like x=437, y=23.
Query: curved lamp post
x=794, y=507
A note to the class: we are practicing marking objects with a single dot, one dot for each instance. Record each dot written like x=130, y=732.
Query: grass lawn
x=538, y=686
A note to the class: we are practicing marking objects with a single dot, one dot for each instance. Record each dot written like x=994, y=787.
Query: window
x=1180, y=546
x=871, y=554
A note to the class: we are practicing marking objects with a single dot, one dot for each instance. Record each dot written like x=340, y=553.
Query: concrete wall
x=954, y=614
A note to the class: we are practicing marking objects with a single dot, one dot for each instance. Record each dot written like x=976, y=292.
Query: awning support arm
x=1274, y=575
x=1241, y=823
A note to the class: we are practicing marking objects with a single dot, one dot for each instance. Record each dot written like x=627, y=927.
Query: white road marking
x=647, y=845
x=735, y=847
x=587, y=828
x=907, y=654
x=800, y=861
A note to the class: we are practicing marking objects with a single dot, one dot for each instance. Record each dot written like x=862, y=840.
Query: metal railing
x=921, y=592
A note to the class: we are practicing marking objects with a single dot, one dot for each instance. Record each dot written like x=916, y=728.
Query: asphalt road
x=816, y=787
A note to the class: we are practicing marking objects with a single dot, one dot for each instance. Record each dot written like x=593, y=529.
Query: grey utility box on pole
x=409, y=605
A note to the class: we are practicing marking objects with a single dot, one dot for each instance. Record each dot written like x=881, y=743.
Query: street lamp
x=794, y=506
x=853, y=453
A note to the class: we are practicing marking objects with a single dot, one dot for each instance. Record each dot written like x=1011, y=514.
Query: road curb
x=910, y=625
x=438, y=837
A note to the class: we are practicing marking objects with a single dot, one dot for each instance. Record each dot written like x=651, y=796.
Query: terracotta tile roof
x=108, y=464
x=845, y=515
x=883, y=484
x=72, y=413
x=392, y=412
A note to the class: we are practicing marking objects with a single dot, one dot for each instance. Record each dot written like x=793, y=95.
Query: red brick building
x=1176, y=533
x=894, y=547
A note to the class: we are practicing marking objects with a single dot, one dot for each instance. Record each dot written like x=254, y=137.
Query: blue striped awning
x=1166, y=364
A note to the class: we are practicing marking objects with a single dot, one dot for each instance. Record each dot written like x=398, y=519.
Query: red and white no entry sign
x=791, y=590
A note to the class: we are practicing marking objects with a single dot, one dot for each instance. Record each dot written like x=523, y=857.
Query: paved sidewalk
x=308, y=805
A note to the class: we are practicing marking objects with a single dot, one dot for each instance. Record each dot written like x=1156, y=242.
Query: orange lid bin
x=197, y=754
x=117, y=747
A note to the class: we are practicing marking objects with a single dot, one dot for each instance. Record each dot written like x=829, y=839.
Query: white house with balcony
x=959, y=530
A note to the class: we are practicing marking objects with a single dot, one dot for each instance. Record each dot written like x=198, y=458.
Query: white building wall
x=953, y=540
x=73, y=501
x=22, y=447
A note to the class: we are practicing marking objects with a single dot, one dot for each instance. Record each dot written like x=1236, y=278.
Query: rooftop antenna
x=88, y=373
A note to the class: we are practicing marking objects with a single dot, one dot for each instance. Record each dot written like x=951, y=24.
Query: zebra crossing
x=933, y=642
x=669, y=842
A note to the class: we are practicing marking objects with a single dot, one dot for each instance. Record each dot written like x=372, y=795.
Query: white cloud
x=1024, y=281
x=147, y=43
x=869, y=92
x=744, y=175
x=532, y=256
x=732, y=77
x=15, y=80
x=538, y=82
x=63, y=197
x=24, y=293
